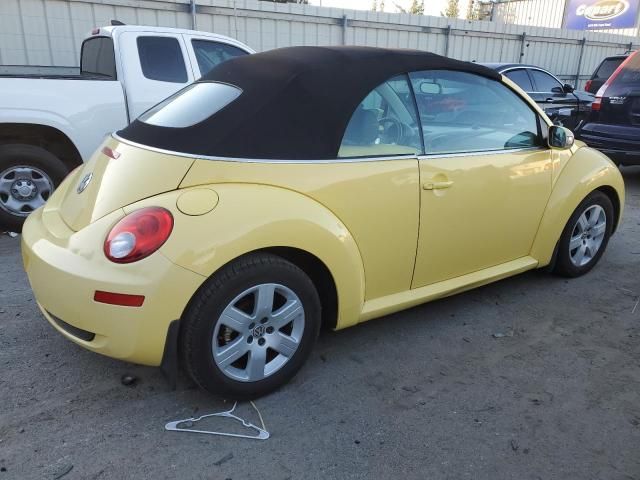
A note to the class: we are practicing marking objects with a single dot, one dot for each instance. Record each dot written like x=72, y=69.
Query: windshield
x=191, y=105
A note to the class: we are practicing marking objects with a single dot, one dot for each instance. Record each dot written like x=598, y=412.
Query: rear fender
x=251, y=217
x=587, y=170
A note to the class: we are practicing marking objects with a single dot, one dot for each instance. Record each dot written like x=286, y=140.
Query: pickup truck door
x=155, y=66
x=207, y=52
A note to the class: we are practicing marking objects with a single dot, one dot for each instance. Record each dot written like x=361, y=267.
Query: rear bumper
x=66, y=270
x=619, y=142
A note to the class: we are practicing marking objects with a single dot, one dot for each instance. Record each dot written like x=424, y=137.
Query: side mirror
x=568, y=88
x=560, y=137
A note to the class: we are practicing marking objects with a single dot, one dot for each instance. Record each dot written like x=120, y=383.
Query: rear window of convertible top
x=191, y=105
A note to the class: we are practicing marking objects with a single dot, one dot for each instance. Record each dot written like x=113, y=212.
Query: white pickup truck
x=49, y=124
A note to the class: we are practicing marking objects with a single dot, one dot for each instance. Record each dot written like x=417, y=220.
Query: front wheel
x=586, y=235
x=250, y=328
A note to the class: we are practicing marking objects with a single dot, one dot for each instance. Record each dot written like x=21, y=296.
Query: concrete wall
x=49, y=32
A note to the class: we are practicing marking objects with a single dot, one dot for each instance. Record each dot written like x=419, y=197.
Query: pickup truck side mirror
x=560, y=137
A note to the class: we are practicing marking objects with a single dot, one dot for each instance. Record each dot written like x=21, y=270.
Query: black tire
x=203, y=314
x=564, y=266
x=15, y=155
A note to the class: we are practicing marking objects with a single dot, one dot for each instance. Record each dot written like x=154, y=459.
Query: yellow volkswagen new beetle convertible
x=303, y=187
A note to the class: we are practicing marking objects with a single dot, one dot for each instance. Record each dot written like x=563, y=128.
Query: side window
x=209, y=54
x=384, y=123
x=98, y=58
x=161, y=59
x=462, y=112
x=544, y=82
x=521, y=78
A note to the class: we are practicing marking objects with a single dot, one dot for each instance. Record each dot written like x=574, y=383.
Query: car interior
x=458, y=113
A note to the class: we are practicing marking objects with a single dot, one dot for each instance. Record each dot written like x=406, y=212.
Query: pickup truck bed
x=54, y=118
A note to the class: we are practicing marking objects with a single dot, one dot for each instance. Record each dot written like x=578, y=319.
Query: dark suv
x=603, y=72
x=613, y=126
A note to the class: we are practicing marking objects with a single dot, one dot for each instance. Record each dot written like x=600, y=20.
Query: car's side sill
x=399, y=301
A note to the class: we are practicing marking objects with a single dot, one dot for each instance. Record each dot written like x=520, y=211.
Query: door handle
x=436, y=185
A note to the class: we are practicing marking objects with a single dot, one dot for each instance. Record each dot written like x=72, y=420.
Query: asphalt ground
x=533, y=377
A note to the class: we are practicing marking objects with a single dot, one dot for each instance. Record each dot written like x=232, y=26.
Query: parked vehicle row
x=49, y=124
x=404, y=177
x=561, y=102
x=613, y=126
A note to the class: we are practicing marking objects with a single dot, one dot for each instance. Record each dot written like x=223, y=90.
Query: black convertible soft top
x=296, y=102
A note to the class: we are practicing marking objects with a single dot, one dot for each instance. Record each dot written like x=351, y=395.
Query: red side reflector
x=121, y=299
x=111, y=153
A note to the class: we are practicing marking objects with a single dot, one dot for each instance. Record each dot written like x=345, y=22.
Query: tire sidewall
x=14, y=155
x=208, y=314
x=564, y=265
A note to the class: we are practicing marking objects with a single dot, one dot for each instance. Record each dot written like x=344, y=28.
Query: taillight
x=587, y=85
x=138, y=235
x=595, y=106
x=111, y=153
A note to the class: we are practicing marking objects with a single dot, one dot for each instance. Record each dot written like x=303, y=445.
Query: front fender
x=587, y=170
x=251, y=217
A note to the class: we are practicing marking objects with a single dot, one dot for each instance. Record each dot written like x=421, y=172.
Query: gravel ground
x=429, y=393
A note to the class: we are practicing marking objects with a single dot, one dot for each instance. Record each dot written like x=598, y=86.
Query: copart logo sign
x=601, y=14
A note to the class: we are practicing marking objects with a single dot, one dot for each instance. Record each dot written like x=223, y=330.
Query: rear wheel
x=28, y=176
x=251, y=327
x=586, y=235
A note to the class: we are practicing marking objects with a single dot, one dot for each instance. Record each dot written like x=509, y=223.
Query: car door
x=206, y=53
x=560, y=106
x=155, y=68
x=520, y=77
x=485, y=178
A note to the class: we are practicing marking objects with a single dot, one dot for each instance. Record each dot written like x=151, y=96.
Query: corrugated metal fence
x=49, y=32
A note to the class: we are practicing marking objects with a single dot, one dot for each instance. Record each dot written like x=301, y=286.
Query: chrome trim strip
x=262, y=160
x=502, y=72
x=478, y=154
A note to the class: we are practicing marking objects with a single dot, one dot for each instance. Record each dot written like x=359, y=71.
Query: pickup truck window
x=209, y=54
x=191, y=105
x=161, y=59
x=98, y=58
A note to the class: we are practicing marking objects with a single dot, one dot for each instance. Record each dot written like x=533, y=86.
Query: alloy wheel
x=258, y=332
x=587, y=235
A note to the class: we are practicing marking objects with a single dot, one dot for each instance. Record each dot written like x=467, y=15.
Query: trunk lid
x=621, y=96
x=111, y=183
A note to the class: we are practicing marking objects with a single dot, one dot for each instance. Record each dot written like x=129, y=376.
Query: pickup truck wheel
x=28, y=176
x=251, y=327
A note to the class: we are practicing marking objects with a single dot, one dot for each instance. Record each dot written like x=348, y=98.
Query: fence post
x=446, y=40
x=522, y=40
x=583, y=42
x=630, y=46
x=344, y=29
x=192, y=8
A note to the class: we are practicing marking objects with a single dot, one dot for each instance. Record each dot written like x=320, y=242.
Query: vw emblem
x=258, y=331
x=84, y=182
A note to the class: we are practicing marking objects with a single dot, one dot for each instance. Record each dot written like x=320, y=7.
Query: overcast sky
x=431, y=7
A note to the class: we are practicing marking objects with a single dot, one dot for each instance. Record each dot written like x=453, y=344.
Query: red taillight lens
x=595, y=106
x=111, y=153
x=122, y=299
x=138, y=235
x=587, y=85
